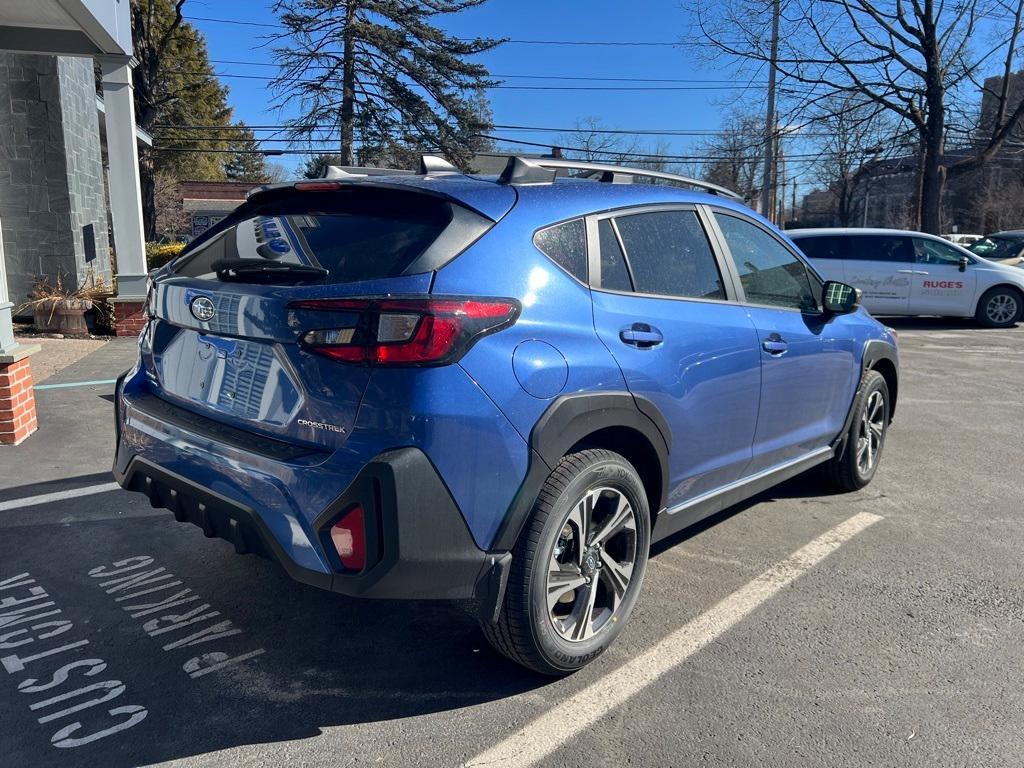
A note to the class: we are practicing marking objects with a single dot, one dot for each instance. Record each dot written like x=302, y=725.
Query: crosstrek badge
x=320, y=425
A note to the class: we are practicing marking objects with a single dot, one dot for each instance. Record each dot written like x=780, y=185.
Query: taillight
x=406, y=331
x=349, y=538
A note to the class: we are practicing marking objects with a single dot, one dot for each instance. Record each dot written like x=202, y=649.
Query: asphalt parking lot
x=877, y=628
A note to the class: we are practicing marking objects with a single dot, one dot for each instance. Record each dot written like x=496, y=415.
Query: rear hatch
x=226, y=338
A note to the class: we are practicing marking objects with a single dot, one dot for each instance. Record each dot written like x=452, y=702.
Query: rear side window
x=770, y=274
x=827, y=247
x=566, y=245
x=614, y=273
x=891, y=248
x=669, y=254
x=353, y=234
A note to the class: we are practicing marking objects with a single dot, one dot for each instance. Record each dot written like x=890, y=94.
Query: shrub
x=158, y=255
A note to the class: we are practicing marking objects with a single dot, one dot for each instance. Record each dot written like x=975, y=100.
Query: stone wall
x=85, y=182
x=52, y=203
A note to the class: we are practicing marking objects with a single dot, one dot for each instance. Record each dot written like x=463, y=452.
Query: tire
x=856, y=463
x=999, y=307
x=550, y=637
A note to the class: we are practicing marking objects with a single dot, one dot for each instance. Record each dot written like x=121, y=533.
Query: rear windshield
x=355, y=234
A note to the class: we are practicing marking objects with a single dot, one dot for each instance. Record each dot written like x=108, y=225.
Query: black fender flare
x=874, y=351
x=568, y=420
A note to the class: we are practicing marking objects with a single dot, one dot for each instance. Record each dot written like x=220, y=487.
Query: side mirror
x=839, y=298
x=964, y=261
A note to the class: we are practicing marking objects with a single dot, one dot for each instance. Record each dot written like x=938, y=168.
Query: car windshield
x=998, y=247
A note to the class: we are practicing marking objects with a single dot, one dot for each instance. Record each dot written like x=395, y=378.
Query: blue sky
x=659, y=21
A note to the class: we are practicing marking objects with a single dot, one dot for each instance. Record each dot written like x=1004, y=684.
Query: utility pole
x=769, y=122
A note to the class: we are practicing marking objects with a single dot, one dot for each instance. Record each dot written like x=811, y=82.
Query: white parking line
x=46, y=498
x=541, y=737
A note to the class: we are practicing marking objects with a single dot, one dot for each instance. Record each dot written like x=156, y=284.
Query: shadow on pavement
x=323, y=660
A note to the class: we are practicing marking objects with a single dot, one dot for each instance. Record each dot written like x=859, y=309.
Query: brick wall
x=17, y=402
x=129, y=318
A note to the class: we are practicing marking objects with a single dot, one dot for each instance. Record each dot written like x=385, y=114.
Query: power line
x=594, y=78
x=518, y=128
x=631, y=88
x=652, y=43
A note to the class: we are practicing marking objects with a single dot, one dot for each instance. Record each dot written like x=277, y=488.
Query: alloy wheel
x=872, y=430
x=591, y=564
x=1001, y=308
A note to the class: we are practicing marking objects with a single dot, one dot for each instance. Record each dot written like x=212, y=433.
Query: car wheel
x=578, y=566
x=856, y=463
x=999, y=308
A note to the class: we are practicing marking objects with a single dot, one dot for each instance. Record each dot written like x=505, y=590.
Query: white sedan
x=911, y=273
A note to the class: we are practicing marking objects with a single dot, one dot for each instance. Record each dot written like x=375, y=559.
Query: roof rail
x=543, y=171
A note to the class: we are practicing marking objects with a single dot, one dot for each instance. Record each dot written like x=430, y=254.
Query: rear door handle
x=641, y=335
x=774, y=344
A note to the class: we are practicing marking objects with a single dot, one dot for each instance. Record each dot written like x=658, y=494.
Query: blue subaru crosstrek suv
x=436, y=385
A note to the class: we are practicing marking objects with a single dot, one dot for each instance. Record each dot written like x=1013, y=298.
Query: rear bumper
x=418, y=543
x=419, y=546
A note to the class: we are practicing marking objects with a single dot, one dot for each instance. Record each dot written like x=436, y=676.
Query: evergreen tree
x=247, y=164
x=175, y=86
x=380, y=74
x=316, y=166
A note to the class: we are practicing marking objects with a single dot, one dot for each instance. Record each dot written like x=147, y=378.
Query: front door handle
x=905, y=271
x=641, y=335
x=774, y=344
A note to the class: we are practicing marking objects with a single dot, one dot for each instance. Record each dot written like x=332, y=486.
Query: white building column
x=125, y=189
x=6, y=326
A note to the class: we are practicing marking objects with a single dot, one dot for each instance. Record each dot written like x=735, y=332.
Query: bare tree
x=848, y=135
x=735, y=156
x=914, y=59
x=594, y=143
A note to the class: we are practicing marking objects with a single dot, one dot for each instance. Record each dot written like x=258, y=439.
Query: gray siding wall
x=52, y=200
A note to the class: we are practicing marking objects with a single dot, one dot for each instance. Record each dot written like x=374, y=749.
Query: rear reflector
x=409, y=332
x=349, y=538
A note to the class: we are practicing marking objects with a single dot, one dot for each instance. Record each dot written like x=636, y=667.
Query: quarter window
x=669, y=254
x=614, y=273
x=566, y=245
x=769, y=273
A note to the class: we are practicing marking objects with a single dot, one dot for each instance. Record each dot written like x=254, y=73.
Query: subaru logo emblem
x=202, y=309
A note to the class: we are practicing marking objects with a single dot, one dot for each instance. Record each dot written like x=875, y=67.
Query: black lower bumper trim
x=420, y=545
x=216, y=515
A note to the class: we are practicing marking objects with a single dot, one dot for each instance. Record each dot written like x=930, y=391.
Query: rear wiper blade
x=235, y=269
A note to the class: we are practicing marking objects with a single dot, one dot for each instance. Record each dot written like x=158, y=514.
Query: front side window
x=669, y=255
x=934, y=252
x=566, y=245
x=769, y=273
